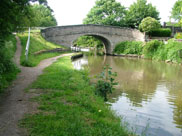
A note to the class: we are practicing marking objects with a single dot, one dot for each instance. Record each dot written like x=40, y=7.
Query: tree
x=12, y=17
x=140, y=10
x=12, y=14
x=106, y=12
x=88, y=41
x=42, y=16
x=177, y=11
x=148, y=24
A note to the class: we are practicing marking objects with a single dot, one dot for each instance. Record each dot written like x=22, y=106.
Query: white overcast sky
x=71, y=12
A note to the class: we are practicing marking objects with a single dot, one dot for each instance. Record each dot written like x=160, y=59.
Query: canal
x=149, y=94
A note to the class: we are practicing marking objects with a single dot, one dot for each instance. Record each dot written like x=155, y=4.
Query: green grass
x=129, y=47
x=155, y=50
x=69, y=107
x=8, y=70
x=37, y=43
x=151, y=49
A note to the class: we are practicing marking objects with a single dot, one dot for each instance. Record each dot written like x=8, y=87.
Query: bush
x=105, y=83
x=151, y=47
x=178, y=36
x=161, y=32
x=129, y=47
x=148, y=24
x=8, y=70
x=173, y=51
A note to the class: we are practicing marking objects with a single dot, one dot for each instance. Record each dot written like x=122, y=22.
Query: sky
x=72, y=12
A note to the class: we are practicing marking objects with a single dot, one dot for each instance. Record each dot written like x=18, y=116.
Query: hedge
x=161, y=32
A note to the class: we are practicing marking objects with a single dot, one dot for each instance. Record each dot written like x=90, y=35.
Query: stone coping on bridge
x=79, y=25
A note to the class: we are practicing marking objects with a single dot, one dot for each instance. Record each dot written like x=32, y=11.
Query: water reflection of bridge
x=79, y=63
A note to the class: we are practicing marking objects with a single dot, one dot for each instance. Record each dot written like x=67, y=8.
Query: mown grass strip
x=37, y=43
x=69, y=107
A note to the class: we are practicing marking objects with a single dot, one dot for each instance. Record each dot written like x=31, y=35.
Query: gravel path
x=16, y=102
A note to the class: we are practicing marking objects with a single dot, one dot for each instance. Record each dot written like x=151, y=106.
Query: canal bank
x=67, y=105
x=148, y=96
x=169, y=51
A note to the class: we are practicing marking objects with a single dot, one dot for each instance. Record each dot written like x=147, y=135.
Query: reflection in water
x=176, y=100
x=149, y=95
x=79, y=63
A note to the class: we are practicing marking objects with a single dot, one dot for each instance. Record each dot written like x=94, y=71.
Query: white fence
x=27, y=45
x=77, y=49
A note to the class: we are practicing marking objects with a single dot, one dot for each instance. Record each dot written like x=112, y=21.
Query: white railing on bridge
x=74, y=48
x=77, y=49
x=27, y=45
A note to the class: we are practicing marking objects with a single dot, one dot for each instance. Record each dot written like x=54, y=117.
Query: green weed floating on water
x=105, y=83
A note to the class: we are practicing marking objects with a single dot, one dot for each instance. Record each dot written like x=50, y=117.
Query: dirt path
x=16, y=103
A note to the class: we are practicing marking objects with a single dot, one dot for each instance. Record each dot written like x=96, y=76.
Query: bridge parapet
x=110, y=35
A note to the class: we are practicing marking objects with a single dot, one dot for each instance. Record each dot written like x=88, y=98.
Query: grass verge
x=155, y=50
x=8, y=69
x=37, y=43
x=69, y=107
x=129, y=47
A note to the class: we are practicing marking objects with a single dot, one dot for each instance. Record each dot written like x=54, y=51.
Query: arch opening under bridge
x=104, y=40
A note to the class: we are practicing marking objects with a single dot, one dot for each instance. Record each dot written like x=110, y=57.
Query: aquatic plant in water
x=106, y=83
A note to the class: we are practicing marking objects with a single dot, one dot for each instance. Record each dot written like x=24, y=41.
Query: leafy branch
x=106, y=82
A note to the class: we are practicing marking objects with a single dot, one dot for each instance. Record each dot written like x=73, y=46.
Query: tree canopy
x=148, y=24
x=42, y=16
x=140, y=10
x=106, y=12
x=13, y=13
x=177, y=11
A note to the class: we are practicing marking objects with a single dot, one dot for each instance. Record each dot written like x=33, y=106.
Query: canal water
x=149, y=94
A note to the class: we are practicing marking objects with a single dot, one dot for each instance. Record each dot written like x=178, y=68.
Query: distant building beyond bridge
x=109, y=35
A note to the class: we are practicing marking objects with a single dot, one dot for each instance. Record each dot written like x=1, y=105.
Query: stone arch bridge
x=109, y=35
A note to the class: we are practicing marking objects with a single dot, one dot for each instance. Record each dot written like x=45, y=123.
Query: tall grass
x=156, y=50
x=129, y=47
x=8, y=69
x=37, y=43
x=151, y=48
x=172, y=51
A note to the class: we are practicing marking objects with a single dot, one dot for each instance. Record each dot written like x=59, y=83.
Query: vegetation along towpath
x=15, y=104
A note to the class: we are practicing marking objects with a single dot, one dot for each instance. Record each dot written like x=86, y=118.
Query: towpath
x=15, y=103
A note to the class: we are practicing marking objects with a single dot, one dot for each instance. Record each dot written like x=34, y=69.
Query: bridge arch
x=102, y=38
x=109, y=35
